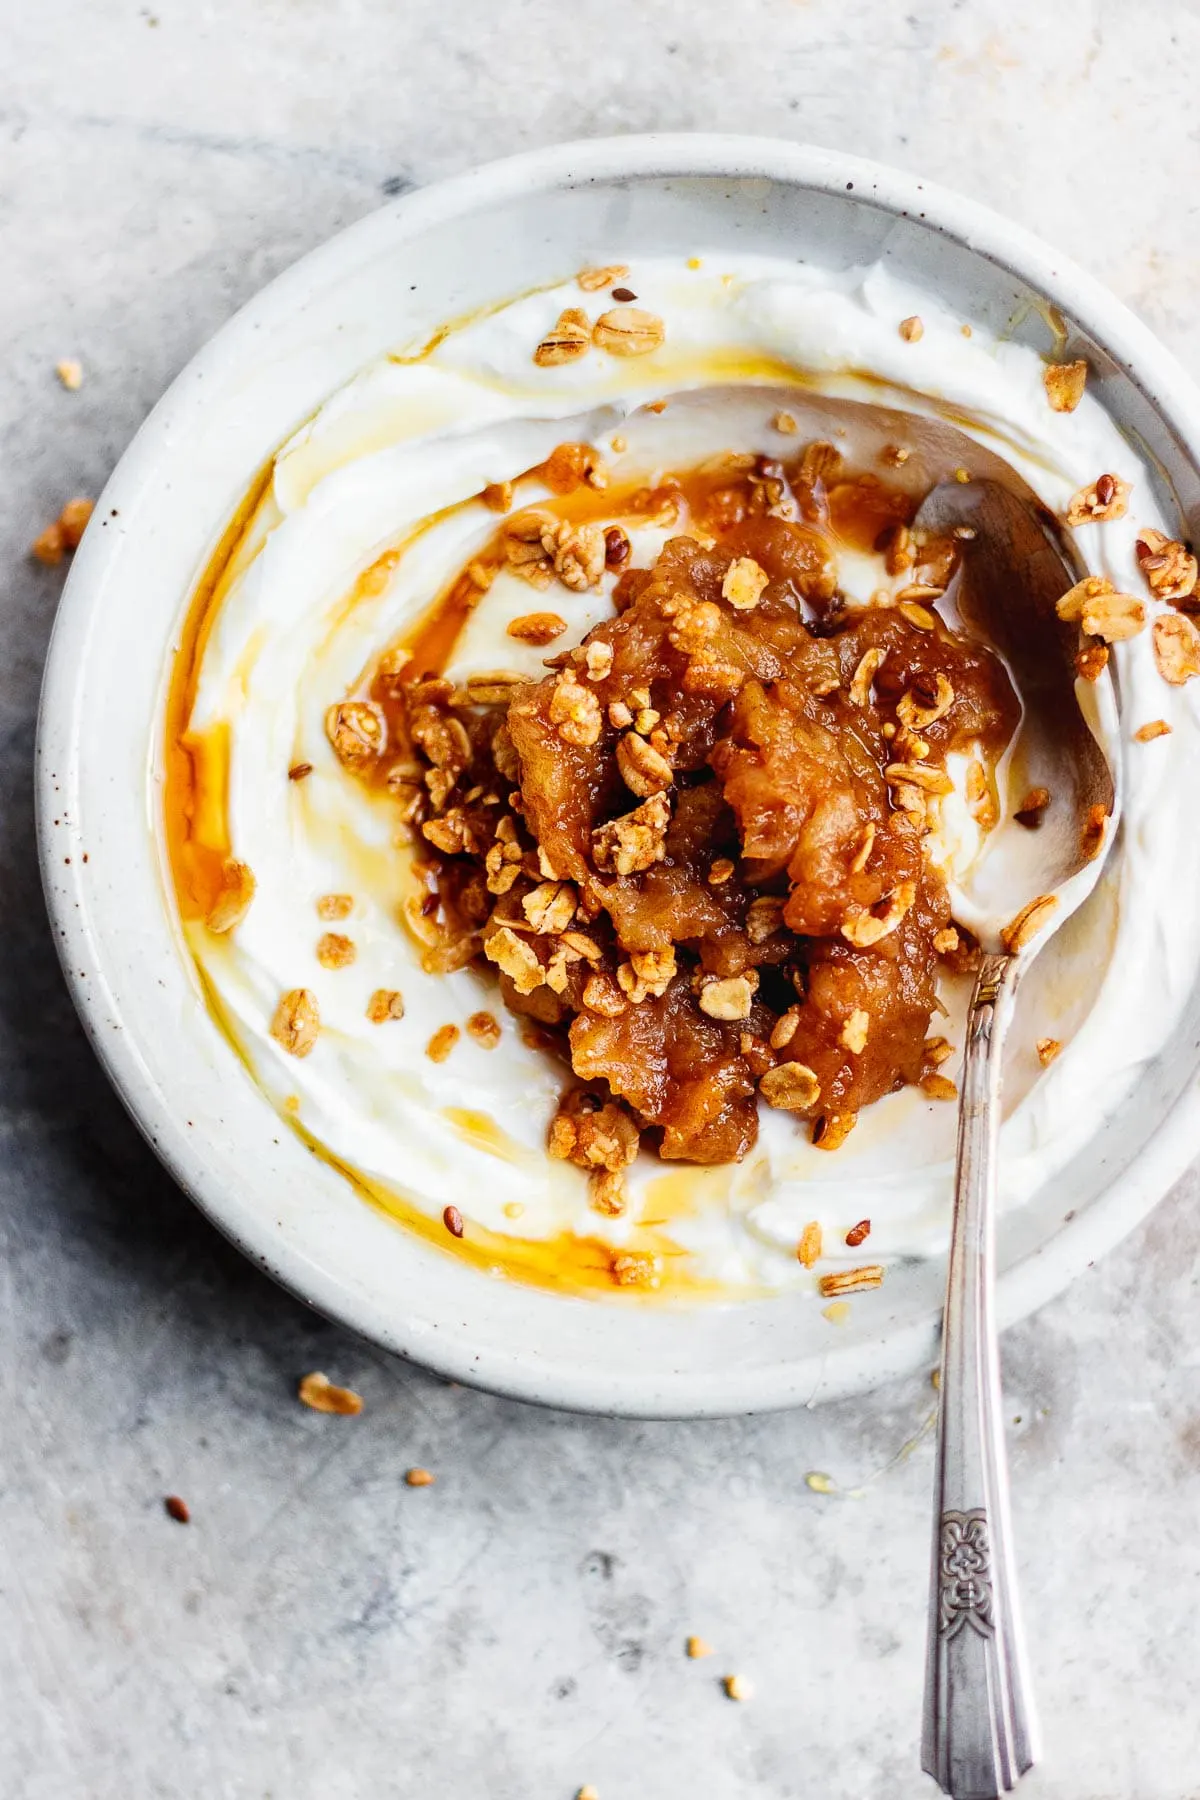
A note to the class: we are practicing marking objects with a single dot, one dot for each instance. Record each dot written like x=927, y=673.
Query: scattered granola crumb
x=912, y=329
x=318, y=1392
x=514, y=1209
x=331, y=907
x=636, y=1268
x=808, y=1250
x=858, y=1234
x=695, y=262
x=484, y=1027
x=837, y=1312
x=629, y=331
x=1065, y=383
x=1105, y=498
x=1030, y=811
x=744, y=583
x=963, y=475
x=1169, y=567
x=70, y=373
x=176, y=1508
x=1047, y=1049
x=587, y=1792
x=1176, y=648
x=452, y=1219
x=736, y=1687
x=420, y=1478
x=497, y=496
x=1029, y=921
x=384, y=1004
x=852, y=1281
x=238, y=888
x=536, y=628
x=442, y=1043
x=1157, y=728
x=820, y=1483
x=566, y=341
x=785, y=424
x=50, y=545
x=696, y=1647
x=592, y=280
x=938, y=1087
x=791, y=1086
x=855, y=1031
x=336, y=951
x=1091, y=660
x=297, y=1022
x=832, y=1129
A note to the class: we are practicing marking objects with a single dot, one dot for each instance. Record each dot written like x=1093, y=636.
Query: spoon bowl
x=1015, y=566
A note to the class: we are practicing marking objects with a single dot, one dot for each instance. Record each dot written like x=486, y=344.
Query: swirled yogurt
x=369, y=512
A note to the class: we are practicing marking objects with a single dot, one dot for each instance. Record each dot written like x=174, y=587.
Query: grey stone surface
x=320, y=1631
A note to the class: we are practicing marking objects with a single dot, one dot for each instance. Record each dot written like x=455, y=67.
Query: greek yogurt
x=385, y=479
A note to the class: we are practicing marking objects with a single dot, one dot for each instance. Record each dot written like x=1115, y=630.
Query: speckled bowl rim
x=83, y=934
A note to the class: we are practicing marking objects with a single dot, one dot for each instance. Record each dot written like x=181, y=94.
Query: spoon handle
x=980, y=1725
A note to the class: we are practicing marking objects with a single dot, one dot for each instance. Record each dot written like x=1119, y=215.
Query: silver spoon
x=980, y=1733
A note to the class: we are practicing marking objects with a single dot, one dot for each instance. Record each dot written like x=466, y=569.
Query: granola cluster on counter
x=694, y=853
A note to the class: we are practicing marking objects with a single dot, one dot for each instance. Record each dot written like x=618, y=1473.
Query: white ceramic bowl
x=430, y=256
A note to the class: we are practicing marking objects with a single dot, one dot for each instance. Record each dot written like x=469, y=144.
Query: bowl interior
x=430, y=257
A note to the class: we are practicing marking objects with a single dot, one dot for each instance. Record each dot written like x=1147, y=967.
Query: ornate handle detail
x=980, y=1728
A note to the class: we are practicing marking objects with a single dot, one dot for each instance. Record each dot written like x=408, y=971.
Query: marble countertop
x=320, y=1631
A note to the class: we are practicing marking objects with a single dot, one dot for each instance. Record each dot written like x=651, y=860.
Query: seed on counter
x=442, y=1043
x=858, y=1234
x=299, y=771
x=177, y=1509
x=319, y=1393
x=1145, y=734
x=452, y=1219
x=737, y=1687
x=70, y=372
x=912, y=330
x=484, y=1027
x=52, y=544
x=420, y=1478
x=1048, y=1048
x=697, y=1647
x=335, y=951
